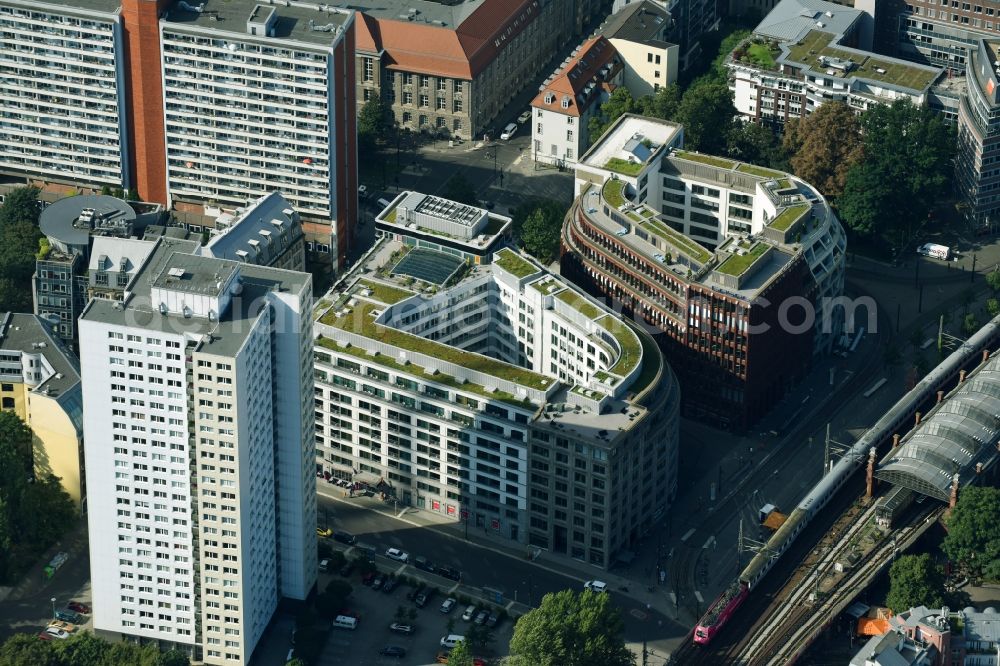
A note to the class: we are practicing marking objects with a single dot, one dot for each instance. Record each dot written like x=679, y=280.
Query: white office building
x=197, y=393
x=61, y=70
x=495, y=394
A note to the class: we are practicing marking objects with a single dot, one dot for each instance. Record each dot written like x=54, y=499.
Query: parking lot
x=376, y=611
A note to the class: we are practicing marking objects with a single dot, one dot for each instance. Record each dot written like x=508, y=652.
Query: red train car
x=719, y=612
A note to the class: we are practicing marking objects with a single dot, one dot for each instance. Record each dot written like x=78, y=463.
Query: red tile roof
x=461, y=52
x=572, y=81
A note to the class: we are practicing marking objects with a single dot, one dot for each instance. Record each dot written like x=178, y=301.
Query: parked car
x=324, y=565
x=78, y=607
x=596, y=586
x=398, y=555
x=449, y=573
x=368, y=578
x=393, y=651
x=492, y=620
x=345, y=537
x=377, y=582
x=481, y=616
x=347, y=569
x=524, y=117
x=469, y=613
x=423, y=563
x=399, y=628
x=56, y=632
x=323, y=531
x=448, y=605
x=65, y=626
x=451, y=640
x=508, y=132
x=44, y=636
x=67, y=615
x=362, y=191
x=390, y=584
x=425, y=595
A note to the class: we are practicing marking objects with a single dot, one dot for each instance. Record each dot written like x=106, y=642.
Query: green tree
x=993, y=280
x=707, y=113
x=992, y=307
x=19, y=237
x=20, y=205
x=539, y=232
x=908, y=154
x=914, y=580
x=571, y=629
x=27, y=650
x=458, y=188
x=178, y=658
x=460, y=655
x=478, y=636
x=374, y=122
x=82, y=648
x=44, y=513
x=619, y=103
x=664, y=103
x=755, y=144
x=824, y=146
x=973, y=539
x=333, y=598
x=15, y=444
x=970, y=324
x=296, y=662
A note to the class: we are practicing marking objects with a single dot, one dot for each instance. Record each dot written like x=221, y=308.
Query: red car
x=78, y=607
x=44, y=636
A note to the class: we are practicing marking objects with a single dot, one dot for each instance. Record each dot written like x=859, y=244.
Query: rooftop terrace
x=817, y=44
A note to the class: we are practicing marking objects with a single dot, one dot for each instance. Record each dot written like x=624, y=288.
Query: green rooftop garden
x=513, y=263
x=613, y=193
x=604, y=377
x=579, y=303
x=633, y=216
x=759, y=171
x=737, y=265
x=419, y=371
x=628, y=341
x=546, y=286
x=678, y=240
x=789, y=216
x=784, y=183
x=763, y=55
x=386, y=293
x=650, y=364
x=710, y=160
x=816, y=43
x=624, y=167
x=360, y=321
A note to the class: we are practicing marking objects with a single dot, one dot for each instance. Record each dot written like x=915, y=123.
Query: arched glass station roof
x=960, y=433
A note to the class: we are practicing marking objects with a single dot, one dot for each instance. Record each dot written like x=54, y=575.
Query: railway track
x=800, y=615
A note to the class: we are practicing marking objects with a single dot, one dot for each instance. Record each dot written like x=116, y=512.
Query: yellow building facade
x=40, y=383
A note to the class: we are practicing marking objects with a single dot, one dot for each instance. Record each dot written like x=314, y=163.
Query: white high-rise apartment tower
x=199, y=430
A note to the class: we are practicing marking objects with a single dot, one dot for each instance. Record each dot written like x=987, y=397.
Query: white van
x=346, y=622
x=451, y=640
x=383, y=203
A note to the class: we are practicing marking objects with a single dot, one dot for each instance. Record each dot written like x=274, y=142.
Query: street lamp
x=53, y=607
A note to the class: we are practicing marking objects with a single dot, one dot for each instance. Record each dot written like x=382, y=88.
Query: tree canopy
x=619, y=103
x=19, y=236
x=460, y=655
x=706, y=112
x=375, y=121
x=571, y=629
x=538, y=225
x=756, y=144
x=34, y=513
x=84, y=649
x=824, y=146
x=973, y=539
x=907, y=166
x=914, y=580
